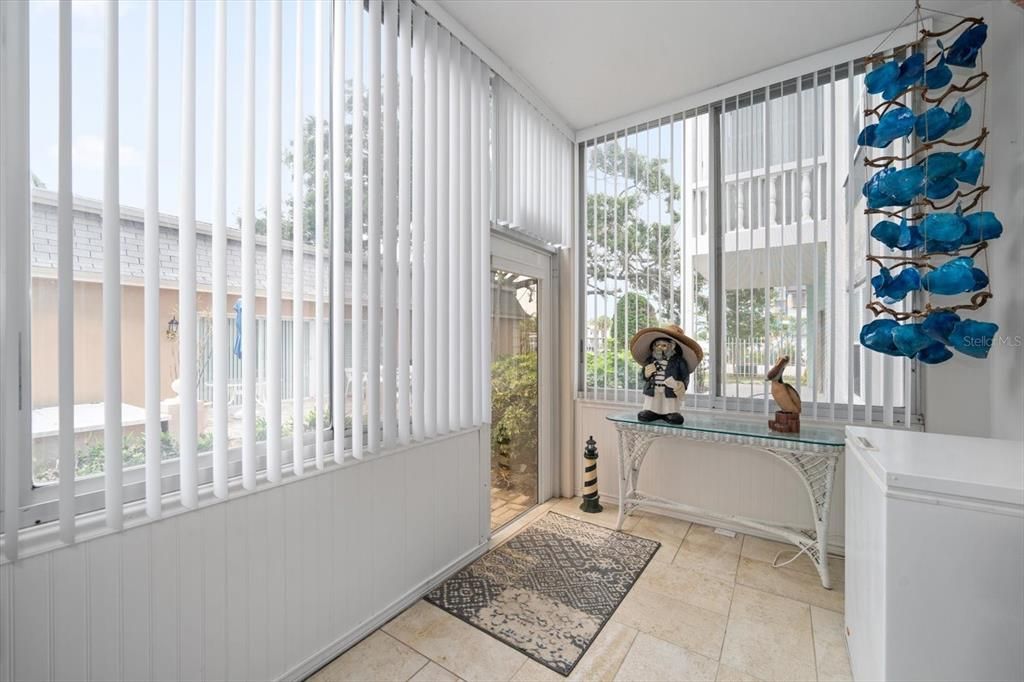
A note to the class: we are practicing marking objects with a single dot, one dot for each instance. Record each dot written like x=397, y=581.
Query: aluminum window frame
x=908, y=416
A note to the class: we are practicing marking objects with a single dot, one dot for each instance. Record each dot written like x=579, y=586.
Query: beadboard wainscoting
x=268, y=585
x=723, y=478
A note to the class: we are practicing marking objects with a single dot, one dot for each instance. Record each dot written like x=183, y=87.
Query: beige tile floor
x=709, y=607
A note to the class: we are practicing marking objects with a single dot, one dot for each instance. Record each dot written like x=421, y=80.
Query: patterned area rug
x=549, y=590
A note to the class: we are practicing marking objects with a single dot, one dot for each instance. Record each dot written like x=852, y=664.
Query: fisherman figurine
x=667, y=357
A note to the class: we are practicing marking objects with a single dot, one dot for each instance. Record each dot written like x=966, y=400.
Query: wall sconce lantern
x=172, y=328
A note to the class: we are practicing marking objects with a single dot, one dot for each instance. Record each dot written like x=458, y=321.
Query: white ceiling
x=597, y=60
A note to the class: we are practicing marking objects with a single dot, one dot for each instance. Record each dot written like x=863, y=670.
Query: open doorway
x=515, y=394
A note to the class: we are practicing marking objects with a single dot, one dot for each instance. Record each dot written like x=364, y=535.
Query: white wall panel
x=32, y=619
x=213, y=520
x=389, y=517
x=135, y=569
x=237, y=589
x=276, y=661
x=165, y=599
x=258, y=622
x=103, y=591
x=420, y=515
x=190, y=597
x=731, y=480
x=262, y=586
x=69, y=613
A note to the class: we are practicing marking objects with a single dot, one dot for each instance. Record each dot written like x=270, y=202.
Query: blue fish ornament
x=981, y=226
x=973, y=338
x=891, y=187
x=903, y=236
x=877, y=336
x=892, y=289
x=911, y=71
x=934, y=354
x=964, y=50
x=893, y=124
x=956, y=276
x=939, y=75
x=973, y=160
x=879, y=78
x=939, y=325
x=943, y=227
x=932, y=124
x=941, y=165
x=910, y=339
x=960, y=114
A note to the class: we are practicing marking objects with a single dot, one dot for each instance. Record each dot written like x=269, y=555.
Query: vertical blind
x=533, y=169
x=406, y=230
x=742, y=221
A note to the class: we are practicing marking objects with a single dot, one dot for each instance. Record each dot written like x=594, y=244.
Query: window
x=189, y=314
x=742, y=222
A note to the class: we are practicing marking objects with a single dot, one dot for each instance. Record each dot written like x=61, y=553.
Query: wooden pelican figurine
x=787, y=419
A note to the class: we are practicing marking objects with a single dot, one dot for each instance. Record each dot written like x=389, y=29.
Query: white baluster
x=805, y=194
x=741, y=205
x=773, y=218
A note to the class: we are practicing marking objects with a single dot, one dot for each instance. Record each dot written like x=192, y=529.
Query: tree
x=625, y=249
x=308, y=176
x=632, y=313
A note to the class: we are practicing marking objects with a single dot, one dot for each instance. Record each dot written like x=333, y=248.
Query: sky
x=88, y=83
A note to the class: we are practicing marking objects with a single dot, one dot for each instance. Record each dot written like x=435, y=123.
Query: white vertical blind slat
x=443, y=223
x=317, y=365
x=248, y=311
x=112, y=462
x=419, y=215
x=430, y=296
x=338, y=264
x=274, y=341
x=483, y=256
x=298, y=255
x=219, y=257
x=389, y=335
x=66, y=293
x=404, y=216
x=454, y=218
x=187, y=334
x=464, y=271
x=474, y=226
x=358, y=195
x=373, y=230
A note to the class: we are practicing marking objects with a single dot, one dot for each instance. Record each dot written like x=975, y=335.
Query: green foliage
x=89, y=459
x=514, y=403
x=204, y=442
x=631, y=228
x=632, y=313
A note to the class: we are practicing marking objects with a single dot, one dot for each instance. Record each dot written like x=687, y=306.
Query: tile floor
x=507, y=504
x=708, y=607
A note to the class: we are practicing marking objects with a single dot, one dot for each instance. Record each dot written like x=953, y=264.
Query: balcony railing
x=793, y=195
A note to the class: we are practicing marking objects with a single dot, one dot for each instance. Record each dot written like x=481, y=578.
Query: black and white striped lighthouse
x=591, y=500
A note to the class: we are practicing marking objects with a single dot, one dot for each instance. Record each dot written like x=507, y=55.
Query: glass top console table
x=812, y=454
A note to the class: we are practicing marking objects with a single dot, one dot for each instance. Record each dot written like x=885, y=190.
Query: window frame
x=716, y=400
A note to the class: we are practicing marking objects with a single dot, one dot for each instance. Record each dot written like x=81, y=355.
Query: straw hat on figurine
x=640, y=344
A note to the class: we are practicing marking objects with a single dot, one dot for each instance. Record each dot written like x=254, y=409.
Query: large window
x=742, y=222
x=239, y=239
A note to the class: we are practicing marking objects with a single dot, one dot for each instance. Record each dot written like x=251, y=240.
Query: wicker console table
x=812, y=454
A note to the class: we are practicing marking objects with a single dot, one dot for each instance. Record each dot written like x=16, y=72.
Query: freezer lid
x=983, y=469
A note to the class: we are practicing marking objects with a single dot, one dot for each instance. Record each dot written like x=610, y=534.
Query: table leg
x=623, y=487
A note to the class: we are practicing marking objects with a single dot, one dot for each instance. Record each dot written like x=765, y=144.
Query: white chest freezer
x=934, y=556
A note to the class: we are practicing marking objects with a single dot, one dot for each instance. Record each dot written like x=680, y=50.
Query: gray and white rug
x=549, y=590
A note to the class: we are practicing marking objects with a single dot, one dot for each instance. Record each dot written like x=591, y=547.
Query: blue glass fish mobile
x=937, y=242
